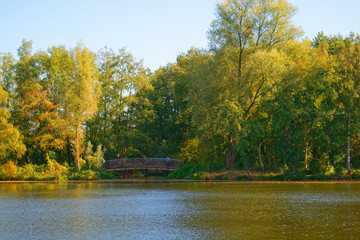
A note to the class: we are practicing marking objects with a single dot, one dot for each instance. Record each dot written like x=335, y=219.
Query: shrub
x=320, y=177
x=356, y=174
x=89, y=175
x=242, y=177
x=27, y=172
x=94, y=160
x=107, y=175
x=188, y=172
x=269, y=176
x=330, y=171
x=198, y=176
x=50, y=171
x=261, y=178
x=219, y=177
x=339, y=170
x=8, y=171
x=85, y=175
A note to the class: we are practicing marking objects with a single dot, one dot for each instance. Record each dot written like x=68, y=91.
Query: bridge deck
x=142, y=164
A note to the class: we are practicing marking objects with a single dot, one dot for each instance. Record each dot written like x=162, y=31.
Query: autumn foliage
x=259, y=98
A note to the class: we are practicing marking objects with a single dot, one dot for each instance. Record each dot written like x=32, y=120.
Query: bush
x=89, y=175
x=188, y=172
x=75, y=176
x=8, y=171
x=28, y=172
x=320, y=177
x=50, y=171
x=198, y=176
x=55, y=171
x=219, y=177
x=94, y=160
x=85, y=175
x=242, y=177
x=339, y=170
x=356, y=174
x=294, y=177
x=108, y=175
x=267, y=177
x=330, y=171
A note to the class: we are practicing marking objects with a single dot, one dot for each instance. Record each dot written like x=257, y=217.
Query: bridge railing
x=142, y=163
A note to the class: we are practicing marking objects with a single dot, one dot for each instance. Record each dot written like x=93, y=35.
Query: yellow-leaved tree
x=74, y=75
x=11, y=145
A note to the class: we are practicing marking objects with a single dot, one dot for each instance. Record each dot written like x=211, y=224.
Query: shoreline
x=142, y=180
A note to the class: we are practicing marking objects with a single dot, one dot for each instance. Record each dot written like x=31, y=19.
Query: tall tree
x=347, y=58
x=74, y=77
x=242, y=28
x=33, y=111
x=172, y=124
x=123, y=105
x=11, y=145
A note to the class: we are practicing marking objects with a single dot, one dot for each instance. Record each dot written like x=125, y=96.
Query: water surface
x=196, y=210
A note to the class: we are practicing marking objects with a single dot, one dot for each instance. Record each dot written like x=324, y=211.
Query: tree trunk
x=230, y=153
x=261, y=162
x=348, y=148
x=306, y=155
x=286, y=166
x=77, y=144
x=230, y=157
x=69, y=150
x=294, y=168
x=328, y=159
x=247, y=170
x=77, y=152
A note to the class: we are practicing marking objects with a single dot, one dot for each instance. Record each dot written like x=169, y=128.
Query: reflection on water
x=179, y=211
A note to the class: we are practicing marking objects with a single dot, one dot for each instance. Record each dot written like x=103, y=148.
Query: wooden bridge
x=142, y=164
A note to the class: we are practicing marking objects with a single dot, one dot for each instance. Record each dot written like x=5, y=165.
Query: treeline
x=258, y=98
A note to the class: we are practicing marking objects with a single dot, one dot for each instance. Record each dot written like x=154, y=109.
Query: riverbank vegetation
x=198, y=172
x=51, y=171
x=260, y=98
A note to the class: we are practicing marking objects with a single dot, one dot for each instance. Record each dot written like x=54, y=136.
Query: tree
x=247, y=24
x=74, y=77
x=34, y=112
x=243, y=28
x=347, y=57
x=11, y=145
x=172, y=124
x=123, y=106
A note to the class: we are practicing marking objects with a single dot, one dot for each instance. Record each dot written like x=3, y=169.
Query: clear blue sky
x=153, y=30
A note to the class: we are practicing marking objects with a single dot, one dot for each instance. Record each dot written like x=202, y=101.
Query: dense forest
x=259, y=98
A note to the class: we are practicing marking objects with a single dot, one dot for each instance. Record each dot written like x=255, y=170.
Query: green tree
x=300, y=117
x=243, y=28
x=123, y=106
x=172, y=124
x=347, y=57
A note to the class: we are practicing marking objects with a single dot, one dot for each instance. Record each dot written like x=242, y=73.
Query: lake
x=179, y=210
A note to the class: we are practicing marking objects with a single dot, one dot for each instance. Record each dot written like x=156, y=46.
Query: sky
x=154, y=31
